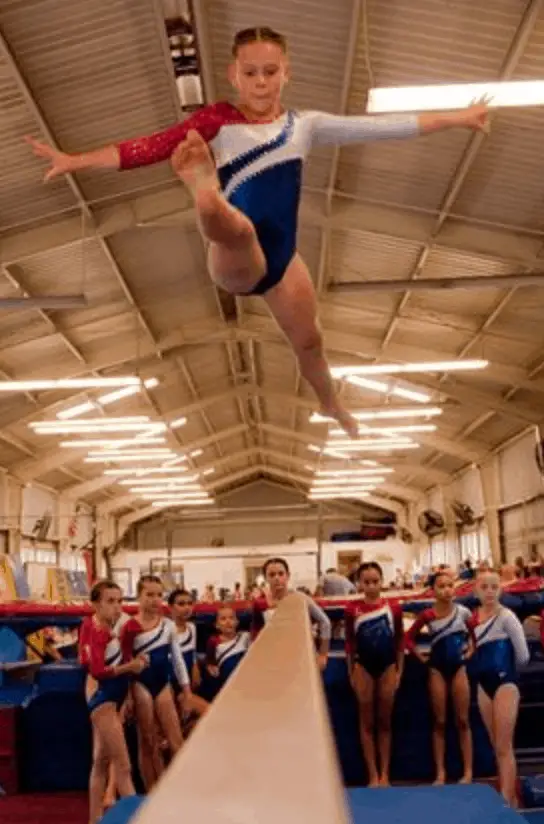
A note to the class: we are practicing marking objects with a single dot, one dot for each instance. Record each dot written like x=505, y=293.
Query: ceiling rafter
x=517, y=46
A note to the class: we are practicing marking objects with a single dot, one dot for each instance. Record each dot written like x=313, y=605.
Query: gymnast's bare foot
x=193, y=164
x=219, y=221
x=440, y=780
x=466, y=779
x=348, y=423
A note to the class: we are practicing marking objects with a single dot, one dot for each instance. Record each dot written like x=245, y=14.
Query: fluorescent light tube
x=408, y=368
x=385, y=413
x=444, y=97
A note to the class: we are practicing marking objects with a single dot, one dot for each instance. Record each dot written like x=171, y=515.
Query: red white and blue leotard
x=100, y=651
x=226, y=655
x=501, y=647
x=187, y=644
x=161, y=646
x=448, y=638
x=374, y=635
x=260, y=164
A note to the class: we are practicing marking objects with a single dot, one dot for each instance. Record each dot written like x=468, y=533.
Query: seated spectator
x=467, y=572
x=334, y=584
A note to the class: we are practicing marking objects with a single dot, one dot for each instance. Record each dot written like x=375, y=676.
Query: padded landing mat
x=472, y=804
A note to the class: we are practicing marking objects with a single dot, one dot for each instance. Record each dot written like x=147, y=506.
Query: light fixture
x=196, y=453
x=177, y=423
x=182, y=502
x=172, y=489
x=120, y=458
x=332, y=496
x=105, y=400
x=152, y=470
x=361, y=442
x=411, y=368
x=341, y=482
x=145, y=480
x=388, y=430
x=386, y=413
x=66, y=383
x=443, y=97
x=157, y=451
x=352, y=473
x=396, y=391
x=156, y=496
x=117, y=442
x=209, y=471
x=83, y=428
x=355, y=446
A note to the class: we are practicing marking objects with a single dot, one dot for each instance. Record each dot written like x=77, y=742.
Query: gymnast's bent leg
x=235, y=259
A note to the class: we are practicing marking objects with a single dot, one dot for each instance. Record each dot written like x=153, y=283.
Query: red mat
x=68, y=808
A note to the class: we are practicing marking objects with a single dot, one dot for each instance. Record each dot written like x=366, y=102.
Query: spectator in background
x=209, y=596
x=536, y=561
x=521, y=568
x=466, y=572
x=334, y=584
x=237, y=595
x=508, y=574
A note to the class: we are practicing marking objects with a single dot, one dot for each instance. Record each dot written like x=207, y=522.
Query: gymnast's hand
x=476, y=117
x=59, y=162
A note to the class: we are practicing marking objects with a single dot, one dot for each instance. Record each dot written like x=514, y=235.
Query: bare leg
x=294, y=306
x=364, y=686
x=165, y=706
x=387, y=688
x=149, y=757
x=236, y=259
x=505, y=715
x=110, y=796
x=98, y=779
x=460, y=690
x=439, y=694
x=110, y=748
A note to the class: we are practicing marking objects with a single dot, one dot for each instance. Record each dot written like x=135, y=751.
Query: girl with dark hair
x=452, y=644
x=102, y=655
x=152, y=634
x=375, y=654
x=277, y=574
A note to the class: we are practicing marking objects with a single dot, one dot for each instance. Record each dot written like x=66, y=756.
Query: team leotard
x=448, y=638
x=501, y=647
x=259, y=165
x=100, y=651
x=262, y=612
x=187, y=644
x=374, y=635
x=226, y=655
x=161, y=646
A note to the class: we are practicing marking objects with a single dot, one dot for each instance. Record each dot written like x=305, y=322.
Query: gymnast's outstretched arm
x=342, y=130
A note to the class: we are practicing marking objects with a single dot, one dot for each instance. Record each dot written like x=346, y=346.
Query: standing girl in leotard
x=501, y=647
x=243, y=165
x=181, y=608
x=225, y=650
x=375, y=653
x=101, y=653
x=152, y=634
x=276, y=573
x=451, y=646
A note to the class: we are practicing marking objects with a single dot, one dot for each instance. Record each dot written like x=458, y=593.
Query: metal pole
x=438, y=284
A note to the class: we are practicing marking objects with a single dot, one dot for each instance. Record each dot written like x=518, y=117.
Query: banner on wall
x=13, y=581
